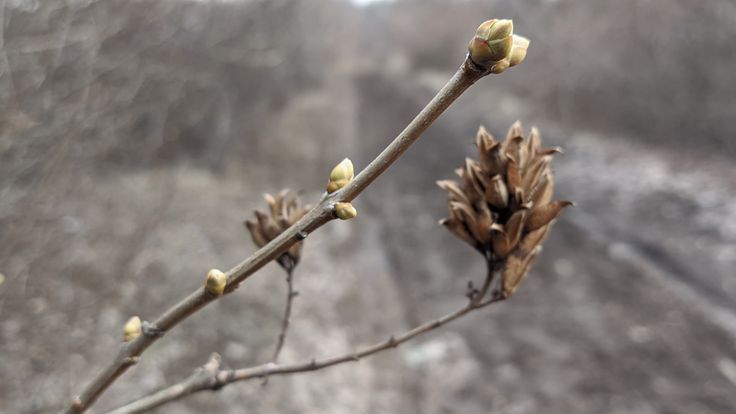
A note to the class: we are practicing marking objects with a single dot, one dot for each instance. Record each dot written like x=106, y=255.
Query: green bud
x=492, y=42
x=215, y=283
x=340, y=176
x=501, y=66
x=132, y=329
x=345, y=211
x=518, y=50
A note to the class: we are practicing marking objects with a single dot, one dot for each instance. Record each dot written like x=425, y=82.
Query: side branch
x=290, y=295
x=205, y=378
x=466, y=75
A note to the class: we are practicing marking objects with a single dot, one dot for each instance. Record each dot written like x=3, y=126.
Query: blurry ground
x=136, y=136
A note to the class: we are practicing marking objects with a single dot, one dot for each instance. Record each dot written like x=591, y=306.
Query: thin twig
x=129, y=353
x=290, y=294
x=203, y=379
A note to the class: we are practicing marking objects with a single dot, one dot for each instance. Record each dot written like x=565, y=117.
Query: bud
x=215, y=283
x=492, y=43
x=518, y=50
x=501, y=66
x=132, y=329
x=345, y=211
x=340, y=176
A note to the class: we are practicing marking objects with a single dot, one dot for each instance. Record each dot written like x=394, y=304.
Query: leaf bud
x=340, y=176
x=345, y=211
x=132, y=329
x=215, y=283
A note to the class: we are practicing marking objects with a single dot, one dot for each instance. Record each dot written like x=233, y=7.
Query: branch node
x=131, y=360
x=301, y=235
x=313, y=364
x=151, y=330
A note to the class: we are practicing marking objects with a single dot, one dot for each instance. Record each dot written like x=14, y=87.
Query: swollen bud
x=132, y=329
x=518, y=50
x=340, y=176
x=492, y=43
x=345, y=211
x=216, y=281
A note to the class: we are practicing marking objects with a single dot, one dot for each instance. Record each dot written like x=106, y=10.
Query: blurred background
x=136, y=136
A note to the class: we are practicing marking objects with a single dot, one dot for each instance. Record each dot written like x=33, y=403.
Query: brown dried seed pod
x=496, y=193
x=542, y=215
x=502, y=207
x=515, y=269
x=283, y=213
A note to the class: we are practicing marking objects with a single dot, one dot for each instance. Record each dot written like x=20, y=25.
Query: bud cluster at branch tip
x=495, y=48
x=345, y=211
x=215, y=283
x=340, y=176
x=503, y=206
x=132, y=329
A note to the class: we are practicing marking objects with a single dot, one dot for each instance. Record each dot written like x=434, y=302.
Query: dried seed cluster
x=283, y=212
x=503, y=207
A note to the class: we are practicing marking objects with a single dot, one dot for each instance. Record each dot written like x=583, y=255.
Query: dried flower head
x=283, y=212
x=503, y=207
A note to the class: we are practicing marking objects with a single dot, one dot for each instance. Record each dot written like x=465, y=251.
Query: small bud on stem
x=215, y=283
x=345, y=211
x=132, y=329
x=340, y=176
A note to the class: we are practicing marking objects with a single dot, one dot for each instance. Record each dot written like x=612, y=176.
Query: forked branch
x=491, y=51
x=210, y=377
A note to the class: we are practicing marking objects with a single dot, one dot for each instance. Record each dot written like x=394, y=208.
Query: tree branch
x=290, y=294
x=129, y=353
x=206, y=378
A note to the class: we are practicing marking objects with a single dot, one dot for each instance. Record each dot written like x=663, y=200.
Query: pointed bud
x=499, y=240
x=493, y=161
x=515, y=226
x=520, y=44
x=255, y=233
x=533, y=239
x=492, y=43
x=455, y=193
x=215, y=283
x=340, y=176
x=484, y=140
x=542, y=215
x=132, y=329
x=516, y=131
x=458, y=229
x=496, y=193
x=513, y=175
x=542, y=191
x=515, y=269
x=345, y=211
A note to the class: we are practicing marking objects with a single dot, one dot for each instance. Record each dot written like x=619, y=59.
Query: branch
x=290, y=295
x=129, y=354
x=206, y=378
